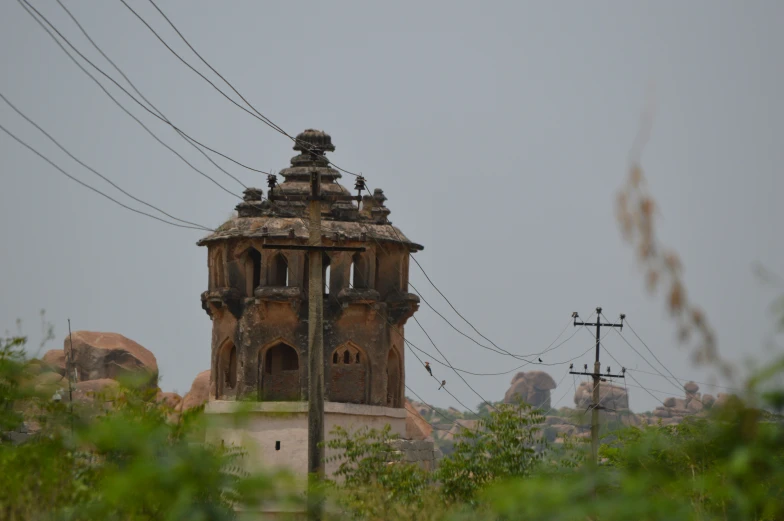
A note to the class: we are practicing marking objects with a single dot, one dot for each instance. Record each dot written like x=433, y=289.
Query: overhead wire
x=676, y=384
x=268, y=122
x=158, y=113
x=687, y=379
x=665, y=367
x=450, y=365
x=258, y=115
x=633, y=378
x=91, y=169
x=62, y=171
x=28, y=7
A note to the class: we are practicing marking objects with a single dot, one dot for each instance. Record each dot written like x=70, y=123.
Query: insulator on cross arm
x=272, y=180
x=359, y=185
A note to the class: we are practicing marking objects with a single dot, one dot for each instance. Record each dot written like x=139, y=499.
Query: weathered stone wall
x=274, y=315
x=283, y=386
x=347, y=383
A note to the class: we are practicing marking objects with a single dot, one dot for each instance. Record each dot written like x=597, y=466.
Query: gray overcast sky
x=498, y=130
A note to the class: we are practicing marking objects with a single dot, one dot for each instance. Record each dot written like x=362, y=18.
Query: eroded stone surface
x=199, y=393
x=110, y=355
x=416, y=426
x=532, y=387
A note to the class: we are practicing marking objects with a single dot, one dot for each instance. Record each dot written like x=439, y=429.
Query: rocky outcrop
x=416, y=426
x=55, y=359
x=46, y=384
x=199, y=393
x=108, y=355
x=170, y=400
x=610, y=396
x=458, y=427
x=90, y=390
x=532, y=387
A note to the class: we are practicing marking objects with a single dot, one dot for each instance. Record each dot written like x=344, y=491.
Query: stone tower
x=257, y=297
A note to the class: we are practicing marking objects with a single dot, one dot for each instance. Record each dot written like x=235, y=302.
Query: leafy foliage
x=124, y=459
x=506, y=444
x=368, y=466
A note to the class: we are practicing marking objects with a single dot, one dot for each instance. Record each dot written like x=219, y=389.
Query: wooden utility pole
x=597, y=378
x=315, y=335
x=315, y=331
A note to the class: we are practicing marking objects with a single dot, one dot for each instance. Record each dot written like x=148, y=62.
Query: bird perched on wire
x=443, y=383
x=585, y=366
x=427, y=366
x=540, y=360
x=571, y=366
x=608, y=369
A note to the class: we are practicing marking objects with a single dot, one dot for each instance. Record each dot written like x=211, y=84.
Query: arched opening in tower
x=393, y=378
x=278, y=274
x=280, y=379
x=218, y=270
x=377, y=278
x=227, y=371
x=254, y=265
x=359, y=271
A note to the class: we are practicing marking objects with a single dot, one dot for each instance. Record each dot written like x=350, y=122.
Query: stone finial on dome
x=314, y=141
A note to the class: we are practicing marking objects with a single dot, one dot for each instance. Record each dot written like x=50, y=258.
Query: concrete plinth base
x=276, y=433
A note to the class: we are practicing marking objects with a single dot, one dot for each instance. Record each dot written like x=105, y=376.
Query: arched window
x=218, y=269
x=227, y=371
x=278, y=271
x=377, y=279
x=359, y=271
x=280, y=380
x=325, y=268
x=393, y=378
x=255, y=266
x=349, y=375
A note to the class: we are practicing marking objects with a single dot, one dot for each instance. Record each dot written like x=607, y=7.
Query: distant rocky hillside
x=535, y=387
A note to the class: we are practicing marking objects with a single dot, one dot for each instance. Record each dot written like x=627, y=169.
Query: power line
x=641, y=356
x=443, y=386
x=645, y=389
x=186, y=63
x=686, y=379
x=268, y=122
x=53, y=164
x=61, y=147
x=574, y=387
x=25, y=5
x=258, y=115
x=652, y=353
x=159, y=114
x=453, y=421
x=679, y=387
x=189, y=139
x=450, y=365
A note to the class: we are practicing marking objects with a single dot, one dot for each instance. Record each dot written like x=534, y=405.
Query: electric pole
x=315, y=325
x=597, y=378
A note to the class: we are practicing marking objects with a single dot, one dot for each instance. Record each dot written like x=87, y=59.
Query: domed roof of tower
x=313, y=140
x=283, y=213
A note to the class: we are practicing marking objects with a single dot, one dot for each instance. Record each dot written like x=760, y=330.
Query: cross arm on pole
x=602, y=375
